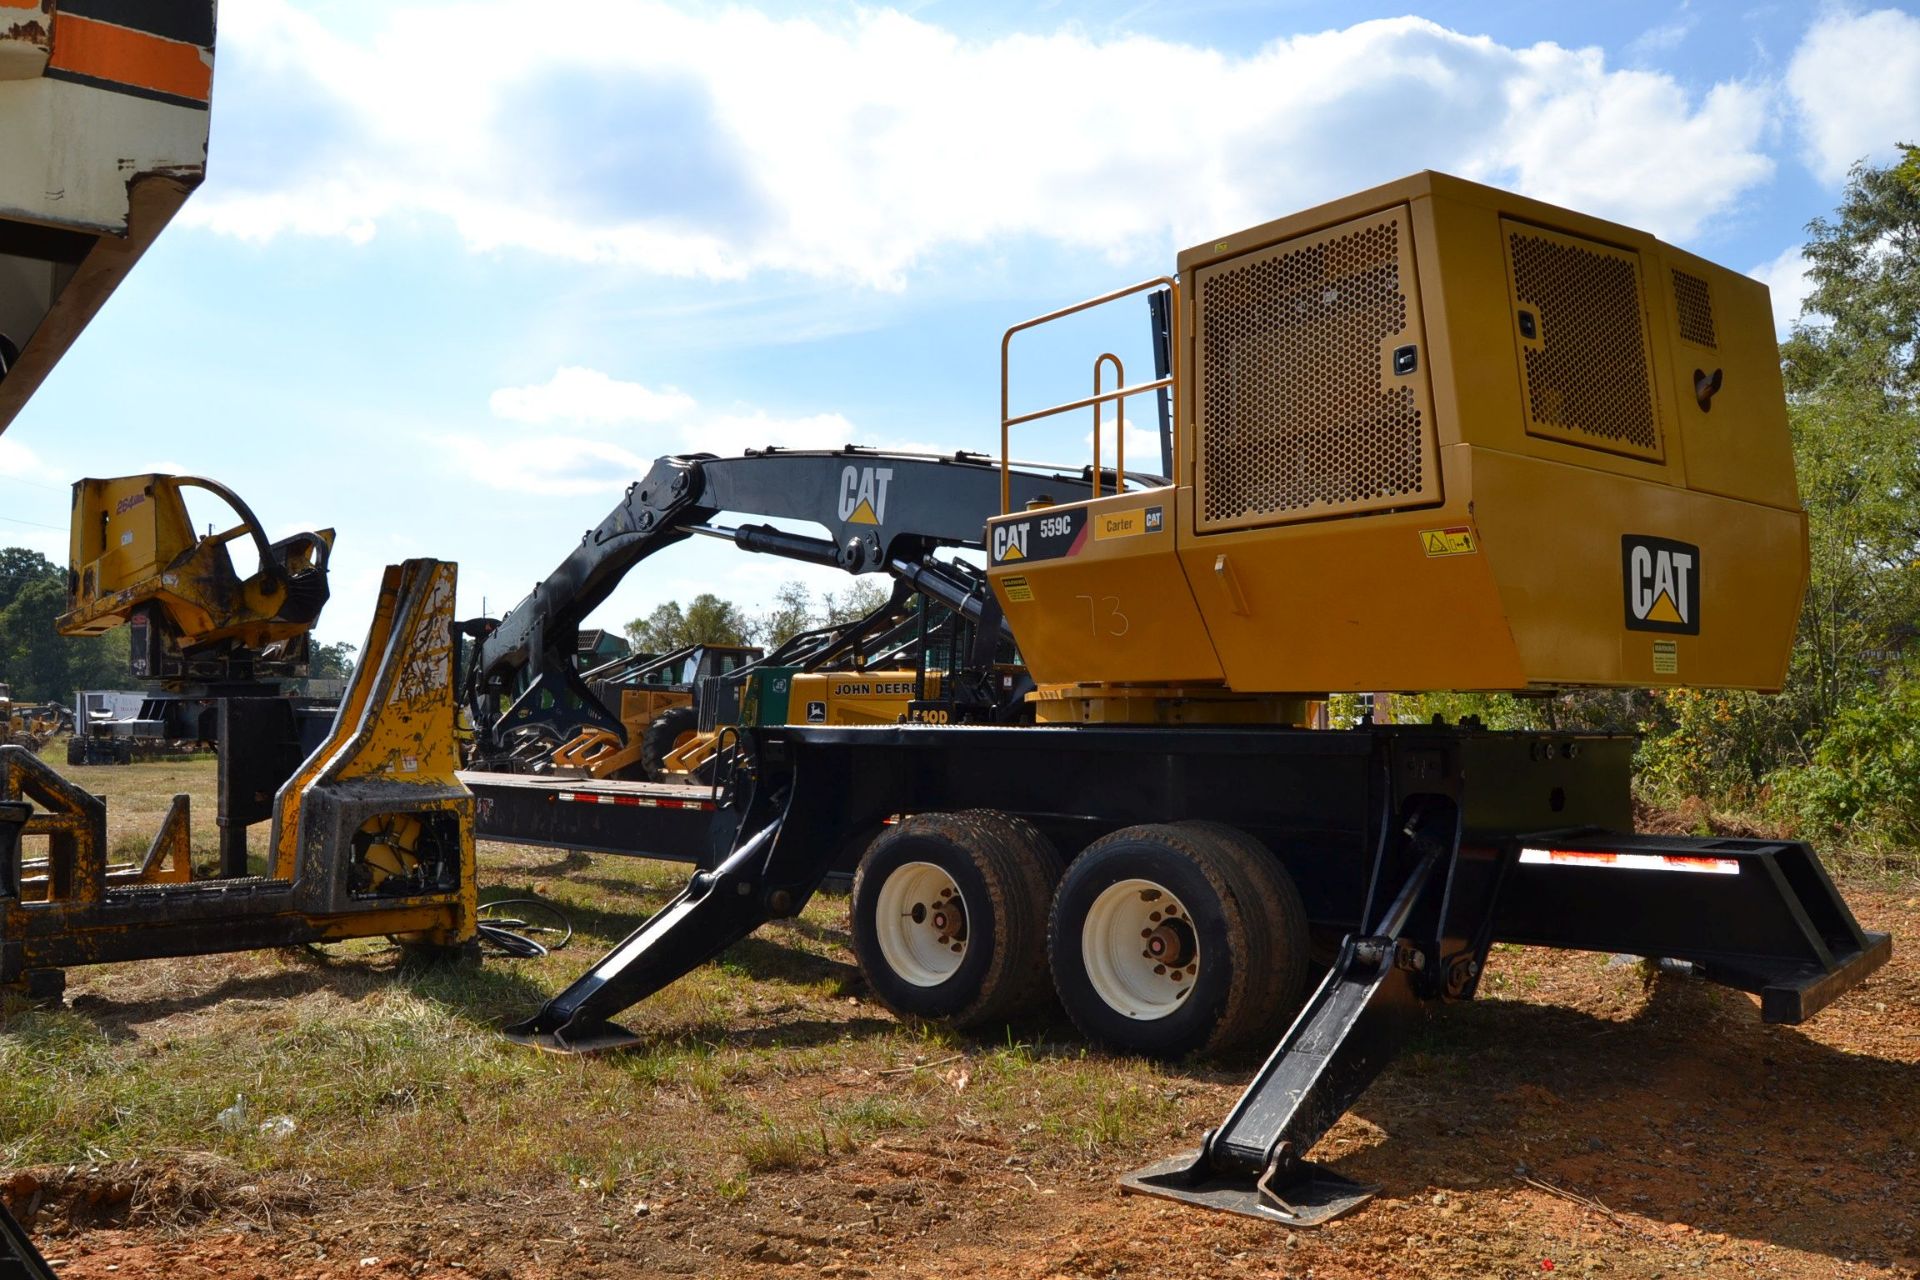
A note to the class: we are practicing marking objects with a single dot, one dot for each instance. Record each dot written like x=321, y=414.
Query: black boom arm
x=880, y=508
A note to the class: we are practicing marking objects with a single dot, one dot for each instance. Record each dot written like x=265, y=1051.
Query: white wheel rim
x=920, y=922
x=1140, y=950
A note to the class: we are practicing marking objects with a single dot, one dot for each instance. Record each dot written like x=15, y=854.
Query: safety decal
x=1661, y=579
x=1666, y=658
x=1457, y=541
x=1017, y=589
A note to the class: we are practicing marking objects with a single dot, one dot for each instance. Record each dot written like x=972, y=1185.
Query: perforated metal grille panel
x=1585, y=365
x=1300, y=412
x=1695, y=305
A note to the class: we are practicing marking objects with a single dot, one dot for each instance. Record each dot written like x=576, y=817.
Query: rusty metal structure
x=371, y=836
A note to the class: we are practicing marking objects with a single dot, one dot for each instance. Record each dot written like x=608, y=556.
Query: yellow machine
x=372, y=836
x=25, y=725
x=1423, y=422
x=812, y=697
x=655, y=702
x=135, y=560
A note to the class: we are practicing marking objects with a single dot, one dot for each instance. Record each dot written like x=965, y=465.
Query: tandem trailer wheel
x=1167, y=939
x=949, y=916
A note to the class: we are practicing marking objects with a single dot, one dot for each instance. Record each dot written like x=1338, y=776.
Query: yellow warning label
x=1017, y=589
x=1120, y=524
x=1666, y=657
x=863, y=514
x=1457, y=541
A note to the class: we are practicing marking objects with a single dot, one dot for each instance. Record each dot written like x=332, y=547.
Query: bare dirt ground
x=1583, y=1117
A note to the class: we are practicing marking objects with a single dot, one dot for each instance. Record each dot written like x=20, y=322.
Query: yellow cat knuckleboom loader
x=1433, y=436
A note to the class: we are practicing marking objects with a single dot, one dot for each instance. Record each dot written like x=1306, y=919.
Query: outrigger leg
x=1254, y=1163
x=1757, y=915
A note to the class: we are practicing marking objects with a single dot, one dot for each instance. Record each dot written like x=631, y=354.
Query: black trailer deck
x=642, y=819
x=1421, y=845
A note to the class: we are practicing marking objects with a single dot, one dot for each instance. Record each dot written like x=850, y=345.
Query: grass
x=766, y=1081
x=771, y=1061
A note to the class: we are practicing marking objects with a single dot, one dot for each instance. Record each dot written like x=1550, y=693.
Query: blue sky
x=457, y=274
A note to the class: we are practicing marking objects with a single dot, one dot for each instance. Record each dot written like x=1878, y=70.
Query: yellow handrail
x=1119, y=421
x=1008, y=420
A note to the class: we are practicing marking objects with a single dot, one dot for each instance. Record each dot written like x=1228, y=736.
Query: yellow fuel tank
x=1438, y=436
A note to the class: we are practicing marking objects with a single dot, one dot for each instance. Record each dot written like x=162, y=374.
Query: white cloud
x=554, y=465
x=589, y=398
x=17, y=462
x=719, y=142
x=1664, y=38
x=1786, y=278
x=668, y=421
x=1856, y=81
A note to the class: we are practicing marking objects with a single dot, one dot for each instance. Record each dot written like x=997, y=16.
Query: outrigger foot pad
x=1310, y=1195
x=601, y=1037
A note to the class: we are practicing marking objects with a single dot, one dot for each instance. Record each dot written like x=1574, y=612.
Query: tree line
x=39, y=663
x=708, y=619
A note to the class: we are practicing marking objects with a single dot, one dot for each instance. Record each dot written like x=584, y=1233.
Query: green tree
x=331, y=661
x=35, y=659
x=861, y=597
x=1860, y=325
x=791, y=614
x=1853, y=377
x=707, y=619
x=20, y=566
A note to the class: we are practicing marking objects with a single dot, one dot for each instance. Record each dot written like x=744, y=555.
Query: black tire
x=663, y=736
x=1242, y=924
x=76, y=751
x=1004, y=871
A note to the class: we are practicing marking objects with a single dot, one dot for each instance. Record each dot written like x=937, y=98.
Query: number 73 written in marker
x=1105, y=609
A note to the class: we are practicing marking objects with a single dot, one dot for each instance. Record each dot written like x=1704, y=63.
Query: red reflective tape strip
x=644, y=802
x=1698, y=864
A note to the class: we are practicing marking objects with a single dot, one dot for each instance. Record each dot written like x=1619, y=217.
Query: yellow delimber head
x=134, y=558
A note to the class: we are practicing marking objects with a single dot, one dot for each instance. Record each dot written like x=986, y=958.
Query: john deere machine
x=1433, y=436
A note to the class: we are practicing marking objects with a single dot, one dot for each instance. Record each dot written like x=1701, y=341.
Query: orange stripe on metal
x=103, y=51
x=19, y=4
